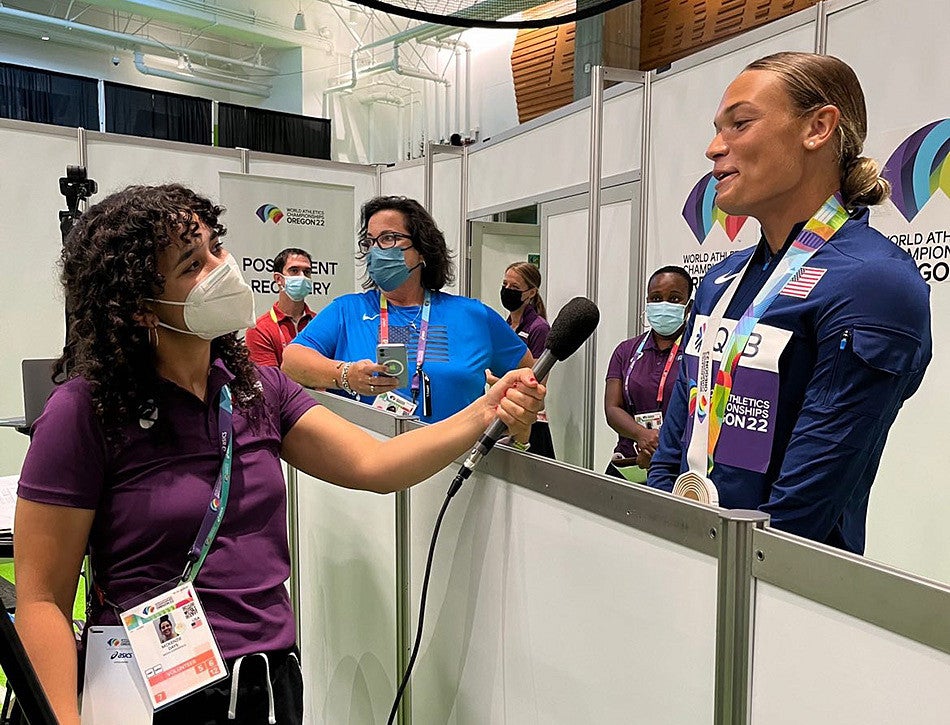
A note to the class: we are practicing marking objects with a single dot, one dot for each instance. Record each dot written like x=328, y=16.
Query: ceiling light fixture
x=300, y=22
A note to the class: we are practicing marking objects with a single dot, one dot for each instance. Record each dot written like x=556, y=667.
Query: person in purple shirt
x=521, y=296
x=643, y=371
x=125, y=457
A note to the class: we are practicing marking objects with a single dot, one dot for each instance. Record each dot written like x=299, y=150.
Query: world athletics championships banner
x=919, y=173
x=266, y=215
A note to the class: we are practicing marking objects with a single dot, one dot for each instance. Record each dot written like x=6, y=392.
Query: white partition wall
x=116, y=161
x=32, y=321
x=540, y=612
x=907, y=513
x=854, y=673
x=564, y=246
x=347, y=584
x=407, y=179
x=447, y=208
x=840, y=640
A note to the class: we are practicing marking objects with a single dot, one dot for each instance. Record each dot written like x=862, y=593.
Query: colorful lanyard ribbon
x=423, y=335
x=666, y=371
x=219, y=495
x=708, y=410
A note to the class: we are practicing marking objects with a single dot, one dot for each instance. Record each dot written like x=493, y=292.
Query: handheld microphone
x=573, y=325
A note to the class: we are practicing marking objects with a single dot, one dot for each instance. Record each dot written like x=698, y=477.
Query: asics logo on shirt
x=367, y=318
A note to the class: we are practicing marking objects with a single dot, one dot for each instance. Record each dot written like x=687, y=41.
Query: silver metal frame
x=564, y=192
x=734, y=615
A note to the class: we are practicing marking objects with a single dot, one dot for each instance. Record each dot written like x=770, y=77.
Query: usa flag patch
x=803, y=282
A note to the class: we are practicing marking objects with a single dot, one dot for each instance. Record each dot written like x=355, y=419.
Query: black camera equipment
x=76, y=187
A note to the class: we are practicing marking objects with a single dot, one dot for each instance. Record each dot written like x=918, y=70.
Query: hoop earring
x=152, y=330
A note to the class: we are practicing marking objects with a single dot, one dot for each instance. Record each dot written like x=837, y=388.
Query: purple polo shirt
x=533, y=329
x=644, y=380
x=151, y=493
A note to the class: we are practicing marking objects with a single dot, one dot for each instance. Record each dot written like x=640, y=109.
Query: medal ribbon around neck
x=817, y=231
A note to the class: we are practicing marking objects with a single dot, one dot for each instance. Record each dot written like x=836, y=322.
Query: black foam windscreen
x=573, y=325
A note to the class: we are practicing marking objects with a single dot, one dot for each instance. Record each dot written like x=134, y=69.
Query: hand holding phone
x=392, y=356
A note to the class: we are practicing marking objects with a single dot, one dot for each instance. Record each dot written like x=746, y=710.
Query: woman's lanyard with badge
x=666, y=371
x=420, y=381
x=174, y=647
x=707, y=403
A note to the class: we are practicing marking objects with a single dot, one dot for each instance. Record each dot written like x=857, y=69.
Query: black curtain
x=156, y=114
x=42, y=96
x=273, y=131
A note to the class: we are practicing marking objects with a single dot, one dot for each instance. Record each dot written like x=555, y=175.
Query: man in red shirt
x=274, y=330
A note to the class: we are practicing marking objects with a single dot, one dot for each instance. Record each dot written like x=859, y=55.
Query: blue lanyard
x=219, y=495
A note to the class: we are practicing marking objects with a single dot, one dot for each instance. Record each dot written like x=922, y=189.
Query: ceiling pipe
x=252, y=89
x=217, y=13
x=126, y=40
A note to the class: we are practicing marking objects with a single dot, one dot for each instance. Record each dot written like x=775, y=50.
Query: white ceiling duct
x=27, y=23
x=253, y=89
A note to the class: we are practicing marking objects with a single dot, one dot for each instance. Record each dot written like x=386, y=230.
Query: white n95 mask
x=220, y=303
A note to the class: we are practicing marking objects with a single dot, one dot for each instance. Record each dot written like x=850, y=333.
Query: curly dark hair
x=427, y=238
x=110, y=271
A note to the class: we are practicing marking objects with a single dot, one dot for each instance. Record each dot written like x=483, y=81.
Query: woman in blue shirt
x=450, y=340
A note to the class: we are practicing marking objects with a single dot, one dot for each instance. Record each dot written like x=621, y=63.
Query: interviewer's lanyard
x=423, y=335
x=707, y=405
x=666, y=371
x=219, y=496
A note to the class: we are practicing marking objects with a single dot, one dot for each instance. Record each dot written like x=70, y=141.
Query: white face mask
x=220, y=303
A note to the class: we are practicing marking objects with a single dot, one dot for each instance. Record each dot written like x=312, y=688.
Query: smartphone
x=393, y=357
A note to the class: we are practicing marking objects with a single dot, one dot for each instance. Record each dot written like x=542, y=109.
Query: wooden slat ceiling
x=542, y=62
x=672, y=29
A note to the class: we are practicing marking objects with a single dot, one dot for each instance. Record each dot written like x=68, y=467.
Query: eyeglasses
x=386, y=240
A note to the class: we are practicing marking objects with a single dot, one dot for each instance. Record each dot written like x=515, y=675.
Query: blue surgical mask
x=665, y=317
x=297, y=288
x=387, y=267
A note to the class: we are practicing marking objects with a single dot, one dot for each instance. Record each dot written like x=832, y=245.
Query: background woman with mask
x=642, y=374
x=161, y=402
x=450, y=340
x=521, y=296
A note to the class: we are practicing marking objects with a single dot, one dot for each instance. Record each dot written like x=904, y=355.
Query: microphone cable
x=422, y=599
x=574, y=324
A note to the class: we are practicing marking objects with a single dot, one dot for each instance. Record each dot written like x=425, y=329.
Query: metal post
x=821, y=27
x=245, y=161
x=646, y=138
x=403, y=616
x=427, y=188
x=293, y=540
x=593, y=244
x=734, y=615
x=465, y=243
x=81, y=142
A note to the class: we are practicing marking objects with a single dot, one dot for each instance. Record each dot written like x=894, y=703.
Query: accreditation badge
x=392, y=402
x=748, y=423
x=175, y=650
x=651, y=421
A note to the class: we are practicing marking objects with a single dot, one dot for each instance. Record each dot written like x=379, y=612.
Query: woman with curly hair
x=450, y=340
x=162, y=411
